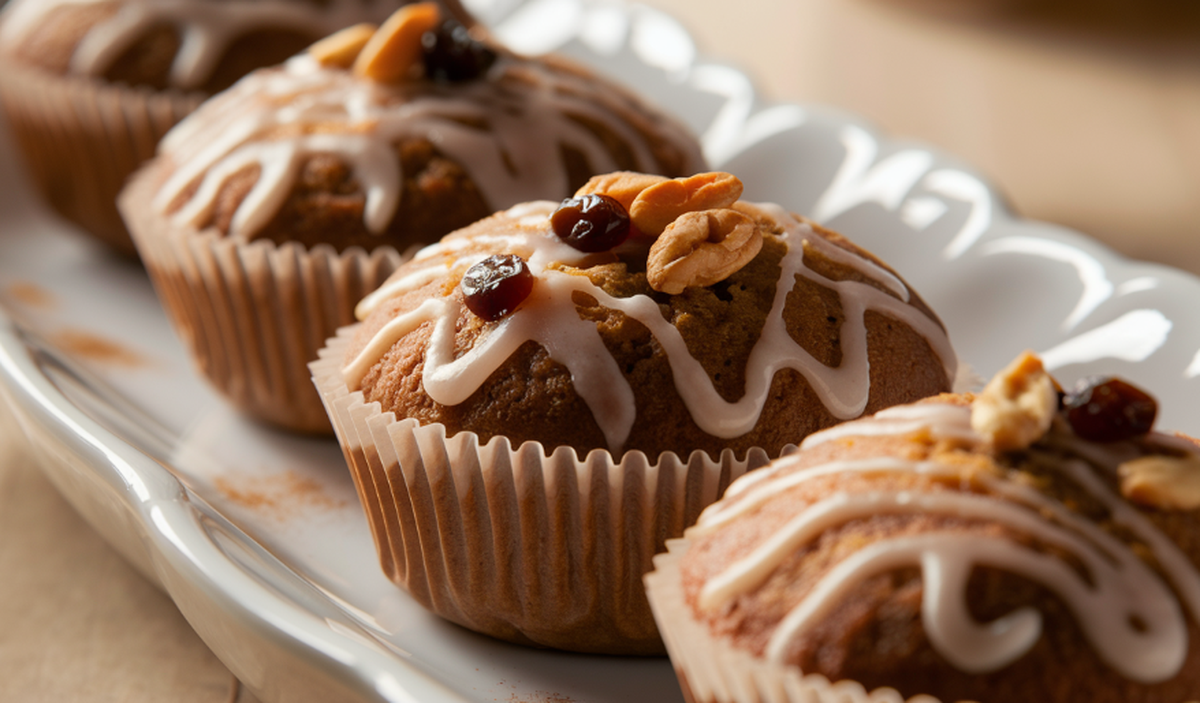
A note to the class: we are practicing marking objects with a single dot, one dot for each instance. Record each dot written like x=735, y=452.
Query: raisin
x=591, y=223
x=495, y=286
x=1104, y=409
x=452, y=55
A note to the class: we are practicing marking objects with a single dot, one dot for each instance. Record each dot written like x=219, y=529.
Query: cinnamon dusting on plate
x=30, y=295
x=92, y=347
x=280, y=496
x=541, y=697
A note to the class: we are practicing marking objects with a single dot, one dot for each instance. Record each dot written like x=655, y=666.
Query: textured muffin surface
x=318, y=154
x=704, y=337
x=90, y=87
x=914, y=515
x=204, y=45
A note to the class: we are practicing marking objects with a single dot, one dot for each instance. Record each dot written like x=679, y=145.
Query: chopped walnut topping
x=1164, y=482
x=1016, y=407
x=622, y=186
x=392, y=52
x=702, y=248
x=662, y=203
x=700, y=238
x=342, y=48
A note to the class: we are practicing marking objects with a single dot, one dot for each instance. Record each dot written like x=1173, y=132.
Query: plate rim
x=165, y=531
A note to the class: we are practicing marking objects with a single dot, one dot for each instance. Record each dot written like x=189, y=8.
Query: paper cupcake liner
x=82, y=139
x=711, y=670
x=519, y=543
x=253, y=315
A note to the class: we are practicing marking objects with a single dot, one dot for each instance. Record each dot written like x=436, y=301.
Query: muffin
x=533, y=405
x=90, y=86
x=281, y=202
x=1022, y=544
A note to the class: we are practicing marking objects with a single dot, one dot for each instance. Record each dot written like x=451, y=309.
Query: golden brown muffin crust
x=875, y=636
x=531, y=397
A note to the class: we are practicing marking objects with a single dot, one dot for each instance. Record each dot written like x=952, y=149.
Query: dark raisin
x=495, y=286
x=452, y=55
x=591, y=223
x=1103, y=409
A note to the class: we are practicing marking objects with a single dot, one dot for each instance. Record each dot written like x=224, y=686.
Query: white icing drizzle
x=1169, y=556
x=397, y=287
x=899, y=420
x=1173, y=442
x=507, y=130
x=763, y=490
x=206, y=27
x=1123, y=590
x=869, y=269
x=550, y=318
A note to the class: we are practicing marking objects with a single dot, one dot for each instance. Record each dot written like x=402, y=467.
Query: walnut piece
x=1016, y=407
x=702, y=248
x=392, y=52
x=700, y=238
x=662, y=203
x=1163, y=482
x=339, y=50
x=622, y=186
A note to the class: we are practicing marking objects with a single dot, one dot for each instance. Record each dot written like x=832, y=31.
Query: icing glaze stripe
x=1122, y=589
x=506, y=130
x=577, y=345
x=207, y=28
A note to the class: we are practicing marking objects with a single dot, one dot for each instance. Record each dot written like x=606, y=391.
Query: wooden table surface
x=1084, y=114
x=77, y=623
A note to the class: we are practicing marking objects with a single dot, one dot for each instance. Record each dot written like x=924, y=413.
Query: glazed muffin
x=280, y=203
x=533, y=405
x=90, y=86
x=1022, y=544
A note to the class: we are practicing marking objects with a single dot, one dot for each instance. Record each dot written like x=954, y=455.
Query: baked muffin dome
x=809, y=331
x=533, y=405
x=328, y=152
x=190, y=45
x=274, y=208
x=90, y=86
x=1003, y=547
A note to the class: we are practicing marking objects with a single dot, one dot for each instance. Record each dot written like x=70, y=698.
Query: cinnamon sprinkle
x=279, y=496
x=30, y=295
x=92, y=347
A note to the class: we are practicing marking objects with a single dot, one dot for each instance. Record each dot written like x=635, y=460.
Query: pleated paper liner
x=253, y=314
x=710, y=670
x=82, y=139
x=519, y=543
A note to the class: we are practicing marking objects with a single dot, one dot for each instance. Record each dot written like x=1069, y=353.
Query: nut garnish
x=622, y=186
x=342, y=48
x=702, y=248
x=392, y=52
x=1016, y=407
x=662, y=203
x=1164, y=482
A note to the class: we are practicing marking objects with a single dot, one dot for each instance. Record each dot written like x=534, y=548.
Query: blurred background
x=1084, y=113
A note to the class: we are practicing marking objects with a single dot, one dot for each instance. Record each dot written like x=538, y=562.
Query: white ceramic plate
x=258, y=536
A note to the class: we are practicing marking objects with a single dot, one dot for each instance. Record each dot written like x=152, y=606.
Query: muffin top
x=646, y=314
x=202, y=45
x=1022, y=544
x=400, y=135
